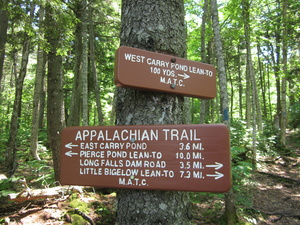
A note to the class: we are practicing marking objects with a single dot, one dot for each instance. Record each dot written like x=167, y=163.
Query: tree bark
x=55, y=106
x=93, y=67
x=38, y=94
x=154, y=25
x=14, y=124
x=11, y=150
x=262, y=81
x=203, y=58
x=230, y=208
x=250, y=75
x=240, y=85
x=284, y=79
x=221, y=64
x=76, y=99
x=84, y=55
x=3, y=34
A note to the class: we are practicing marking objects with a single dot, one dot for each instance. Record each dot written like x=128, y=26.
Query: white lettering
x=117, y=135
x=153, y=164
x=92, y=154
x=116, y=154
x=176, y=135
x=134, y=58
x=134, y=163
x=179, y=67
x=89, y=162
x=120, y=172
x=157, y=62
x=91, y=171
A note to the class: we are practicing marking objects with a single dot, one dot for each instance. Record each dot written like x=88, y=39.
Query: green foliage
x=78, y=220
x=238, y=133
x=215, y=204
x=77, y=203
x=8, y=186
x=294, y=119
x=3, y=140
x=199, y=197
x=43, y=173
x=106, y=213
x=242, y=169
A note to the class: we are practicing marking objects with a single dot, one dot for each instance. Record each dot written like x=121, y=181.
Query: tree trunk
x=38, y=94
x=93, y=67
x=76, y=99
x=155, y=25
x=262, y=81
x=275, y=54
x=3, y=34
x=55, y=106
x=240, y=85
x=84, y=55
x=284, y=79
x=14, y=124
x=230, y=208
x=221, y=64
x=250, y=75
x=203, y=57
x=11, y=150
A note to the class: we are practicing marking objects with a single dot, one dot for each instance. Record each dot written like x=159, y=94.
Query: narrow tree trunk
x=93, y=67
x=85, y=106
x=221, y=63
x=248, y=100
x=155, y=25
x=55, y=106
x=3, y=34
x=38, y=92
x=256, y=110
x=11, y=150
x=231, y=93
x=76, y=99
x=203, y=57
x=284, y=79
x=240, y=86
x=230, y=208
x=269, y=91
x=275, y=55
x=250, y=75
x=14, y=124
x=262, y=82
x=41, y=124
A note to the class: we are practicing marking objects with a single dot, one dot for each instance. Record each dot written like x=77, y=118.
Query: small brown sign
x=135, y=68
x=153, y=157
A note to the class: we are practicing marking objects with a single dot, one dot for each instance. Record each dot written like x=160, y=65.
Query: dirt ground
x=278, y=192
x=275, y=196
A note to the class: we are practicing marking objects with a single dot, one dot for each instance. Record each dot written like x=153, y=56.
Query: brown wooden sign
x=153, y=157
x=135, y=68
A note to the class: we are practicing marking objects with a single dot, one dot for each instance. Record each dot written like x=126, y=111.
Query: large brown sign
x=153, y=157
x=141, y=69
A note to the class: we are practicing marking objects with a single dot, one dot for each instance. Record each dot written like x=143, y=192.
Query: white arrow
x=70, y=153
x=70, y=145
x=185, y=76
x=217, y=175
x=217, y=165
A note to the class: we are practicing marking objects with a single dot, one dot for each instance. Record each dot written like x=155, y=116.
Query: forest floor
x=274, y=194
x=273, y=191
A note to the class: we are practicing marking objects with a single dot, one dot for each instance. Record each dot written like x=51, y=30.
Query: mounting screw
x=132, y=140
x=173, y=60
x=173, y=86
